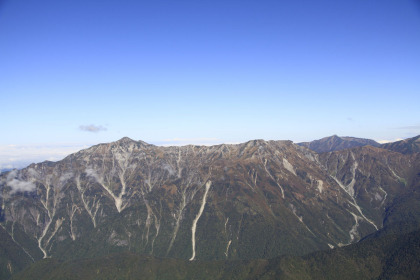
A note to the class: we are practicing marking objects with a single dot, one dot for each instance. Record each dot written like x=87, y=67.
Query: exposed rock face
x=253, y=200
x=336, y=143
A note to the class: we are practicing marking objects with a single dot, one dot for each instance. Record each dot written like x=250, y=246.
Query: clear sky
x=76, y=73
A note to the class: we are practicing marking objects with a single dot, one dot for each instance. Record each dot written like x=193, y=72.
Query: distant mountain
x=5, y=169
x=406, y=146
x=255, y=200
x=336, y=143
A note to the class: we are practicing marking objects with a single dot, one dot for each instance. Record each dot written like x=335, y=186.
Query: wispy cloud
x=383, y=141
x=21, y=186
x=410, y=127
x=92, y=128
x=409, y=131
x=18, y=156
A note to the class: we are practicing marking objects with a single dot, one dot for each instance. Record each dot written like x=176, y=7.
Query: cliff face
x=253, y=200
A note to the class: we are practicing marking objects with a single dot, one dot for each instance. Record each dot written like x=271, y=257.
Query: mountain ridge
x=406, y=146
x=258, y=199
x=337, y=143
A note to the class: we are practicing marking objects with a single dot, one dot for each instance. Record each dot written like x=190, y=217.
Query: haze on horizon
x=78, y=73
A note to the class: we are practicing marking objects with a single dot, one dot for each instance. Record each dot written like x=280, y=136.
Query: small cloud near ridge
x=17, y=184
x=92, y=128
x=384, y=141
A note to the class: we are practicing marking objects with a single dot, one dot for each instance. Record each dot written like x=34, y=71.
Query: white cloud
x=384, y=141
x=92, y=173
x=92, y=128
x=11, y=175
x=21, y=186
x=18, y=156
x=168, y=168
x=65, y=177
x=14, y=181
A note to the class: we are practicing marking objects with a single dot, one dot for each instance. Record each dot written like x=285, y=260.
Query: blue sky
x=77, y=73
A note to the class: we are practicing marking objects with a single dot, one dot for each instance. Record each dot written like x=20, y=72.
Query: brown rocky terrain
x=259, y=199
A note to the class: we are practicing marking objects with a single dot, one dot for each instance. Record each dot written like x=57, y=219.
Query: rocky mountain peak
x=125, y=140
x=255, y=143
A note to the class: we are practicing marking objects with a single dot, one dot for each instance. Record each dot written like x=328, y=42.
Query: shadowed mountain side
x=386, y=257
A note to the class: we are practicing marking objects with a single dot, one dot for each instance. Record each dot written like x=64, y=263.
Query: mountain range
x=218, y=206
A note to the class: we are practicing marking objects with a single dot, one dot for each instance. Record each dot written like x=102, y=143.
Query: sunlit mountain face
x=255, y=200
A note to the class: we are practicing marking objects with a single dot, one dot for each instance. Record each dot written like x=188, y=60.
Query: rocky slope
x=406, y=146
x=258, y=199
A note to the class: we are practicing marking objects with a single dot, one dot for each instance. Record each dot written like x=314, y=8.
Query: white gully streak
x=194, y=225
